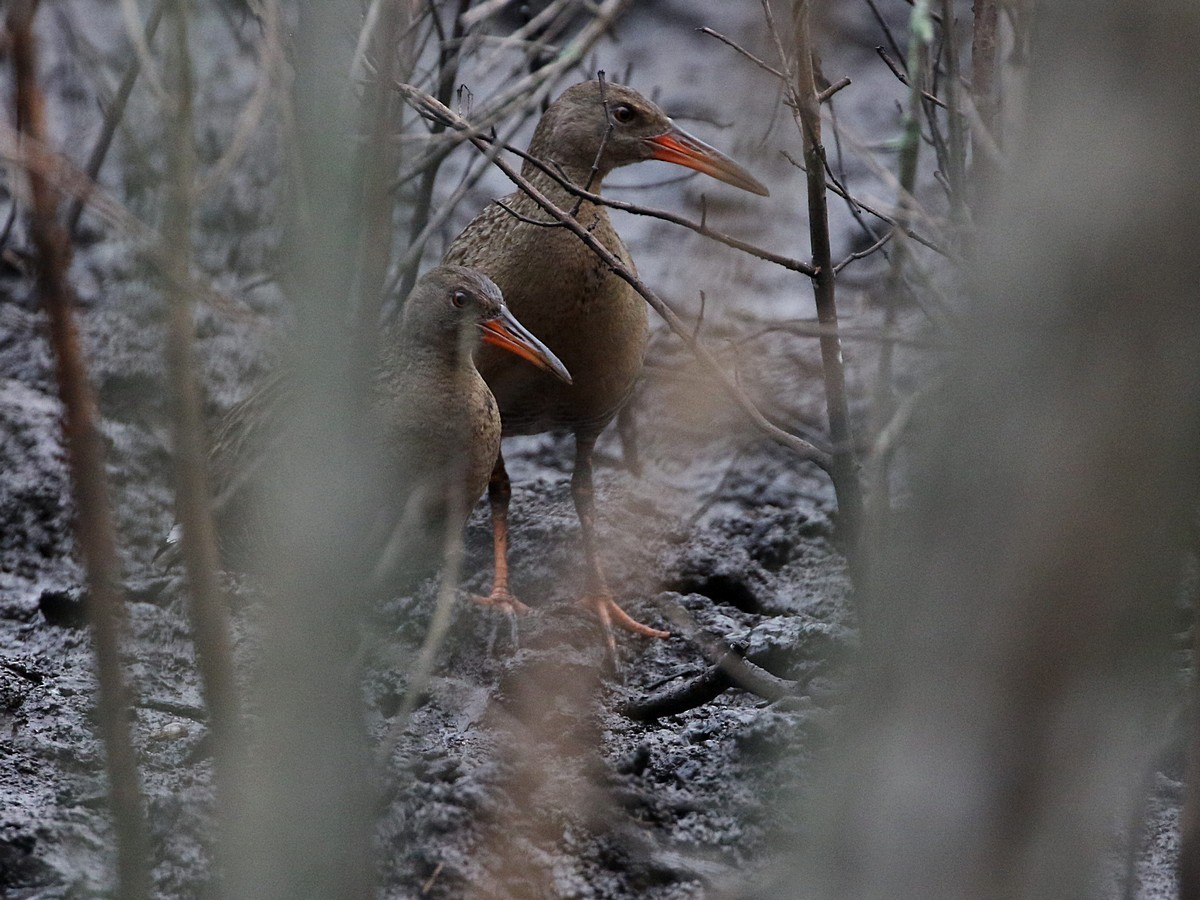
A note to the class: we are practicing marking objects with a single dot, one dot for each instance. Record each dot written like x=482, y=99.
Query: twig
x=449, y=56
x=765, y=66
x=874, y=210
x=113, y=117
x=807, y=112
x=983, y=92
x=904, y=80
x=887, y=30
x=838, y=85
x=728, y=668
x=85, y=459
x=420, y=100
x=33, y=157
x=271, y=61
x=141, y=48
x=887, y=422
x=209, y=610
x=863, y=254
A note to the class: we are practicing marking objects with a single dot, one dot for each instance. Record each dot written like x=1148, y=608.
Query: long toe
x=502, y=599
x=610, y=613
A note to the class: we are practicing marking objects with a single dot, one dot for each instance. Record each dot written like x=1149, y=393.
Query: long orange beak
x=505, y=331
x=679, y=147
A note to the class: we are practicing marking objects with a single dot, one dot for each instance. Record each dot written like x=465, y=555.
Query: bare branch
x=85, y=458
x=113, y=117
x=209, y=610
x=765, y=66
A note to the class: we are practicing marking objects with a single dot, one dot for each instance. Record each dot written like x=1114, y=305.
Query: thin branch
x=209, y=609
x=113, y=117
x=863, y=254
x=34, y=158
x=762, y=64
x=141, y=48
x=271, y=62
x=85, y=458
x=807, y=113
x=887, y=30
x=903, y=79
x=838, y=85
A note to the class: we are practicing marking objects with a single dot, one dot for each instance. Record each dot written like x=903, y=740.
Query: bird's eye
x=624, y=113
x=459, y=299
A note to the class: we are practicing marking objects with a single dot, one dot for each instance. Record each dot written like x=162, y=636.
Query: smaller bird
x=435, y=420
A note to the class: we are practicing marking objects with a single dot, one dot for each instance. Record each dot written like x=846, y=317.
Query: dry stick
x=983, y=91
x=808, y=116
x=449, y=54
x=113, y=117
x=886, y=28
x=85, y=458
x=762, y=64
x=803, y=448
x=824, y=96
x=209, y=611
x=33, y=157
x=882, y=404
x=249, y=120
x=904, y=79
x=378, y=160
x=956, y=170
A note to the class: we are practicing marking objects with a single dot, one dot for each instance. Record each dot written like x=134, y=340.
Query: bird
x=435, y=420
x=590, y=317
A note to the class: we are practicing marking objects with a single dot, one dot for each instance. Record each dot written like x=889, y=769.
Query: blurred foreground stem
x=85, y=457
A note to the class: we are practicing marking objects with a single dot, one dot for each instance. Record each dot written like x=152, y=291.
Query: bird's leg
x=598, y=596
x=499, y=494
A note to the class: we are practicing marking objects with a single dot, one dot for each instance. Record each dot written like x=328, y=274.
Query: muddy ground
x=489, y=787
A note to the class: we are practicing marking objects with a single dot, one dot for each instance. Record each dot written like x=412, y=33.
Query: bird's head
x=454, y=304
x=632, y=129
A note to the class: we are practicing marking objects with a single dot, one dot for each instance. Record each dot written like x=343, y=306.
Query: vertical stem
x=983, y=91
x=85, y=458
x=957, y=157
x=910, y=148
x=209, y=613
x=113, y=117
x=308, y=812
x=448, y=58
x=378, y=161
x=845, y=466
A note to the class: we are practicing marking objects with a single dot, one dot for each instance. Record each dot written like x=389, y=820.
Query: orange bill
x=679, y=147
x=505, y=331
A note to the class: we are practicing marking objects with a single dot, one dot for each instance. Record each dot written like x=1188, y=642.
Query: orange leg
x=598, y=596
x=499, y=495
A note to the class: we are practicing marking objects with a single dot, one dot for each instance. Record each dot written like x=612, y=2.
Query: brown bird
x=593, y=320
x=436, y=421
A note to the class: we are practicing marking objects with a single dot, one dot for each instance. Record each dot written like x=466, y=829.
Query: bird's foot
x=610, y=613
x=501, y=598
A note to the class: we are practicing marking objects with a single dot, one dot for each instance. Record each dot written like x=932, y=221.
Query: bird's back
x=592, y=320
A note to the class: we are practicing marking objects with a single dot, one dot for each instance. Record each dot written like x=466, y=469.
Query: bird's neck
x=576, y=172
x=445, y=359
